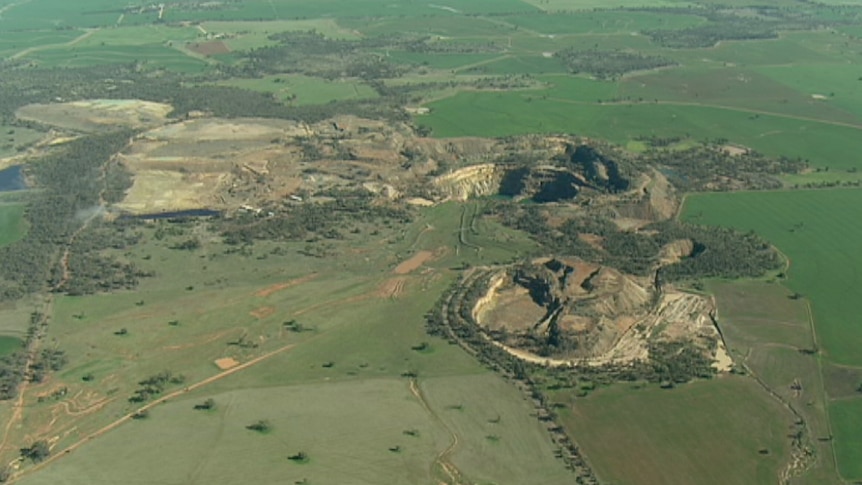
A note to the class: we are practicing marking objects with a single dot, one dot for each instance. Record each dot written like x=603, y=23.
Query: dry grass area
x=97, y=114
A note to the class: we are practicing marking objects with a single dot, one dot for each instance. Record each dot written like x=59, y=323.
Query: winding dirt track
x=444, y=458
x=56, y=456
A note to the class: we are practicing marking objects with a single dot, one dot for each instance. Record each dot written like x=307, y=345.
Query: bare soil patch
x=413, y=263
x=226, y=363
x=209, y=48
x=392, y=288
x=262, y=312
x=269, y=290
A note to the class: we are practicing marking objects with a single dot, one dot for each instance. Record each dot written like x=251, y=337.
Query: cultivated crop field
x=664, y=441
x=812, y=229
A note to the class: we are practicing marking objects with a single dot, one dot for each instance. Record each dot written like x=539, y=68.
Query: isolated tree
x=37, y=452
x=261, y=426
x=206, y=405
x=300, y=457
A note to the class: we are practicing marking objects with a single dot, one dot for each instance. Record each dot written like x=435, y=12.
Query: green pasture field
x=54, y=14
x=13, y=138
x=139, y=35
x=361, y=318
x=151, y=55
x=441, y=61
x=601, y=22
x=439, y=25
x=735, y=87
x=846, y=416
x=513, y=113
x=838, y=84
x=12, y=224
x=245, y=35
x=790, y=49
x=558, y=5
x=301, y=9
x=812, y=228
x=764, y=330
x=704, y=432
x=308, y=90
x=9, y=345
x=12, y=42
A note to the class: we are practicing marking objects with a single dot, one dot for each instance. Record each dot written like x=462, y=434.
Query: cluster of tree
x=314, y=54
x=185, y=93
x=330, y=220
x=89, y=270
x=718, y=252
x=714, y=167
x=728, y=25
x=430, y=45
x=37, y=452
x=11, y=374
x=71, y=181
x=48, y=360
x=605, y=64
x=155, y=385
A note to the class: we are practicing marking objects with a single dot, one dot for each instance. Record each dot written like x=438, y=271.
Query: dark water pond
x=12, y=179
x=177, y=214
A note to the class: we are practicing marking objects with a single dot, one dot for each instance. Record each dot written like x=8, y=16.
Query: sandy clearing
x=413, y=263
x=226, y=363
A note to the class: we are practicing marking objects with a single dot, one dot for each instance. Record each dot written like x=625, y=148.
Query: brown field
x=417, y=260
x=209, y=48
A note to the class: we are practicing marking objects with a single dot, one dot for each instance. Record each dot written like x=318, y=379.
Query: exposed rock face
x=474, y=181
x=572, y=310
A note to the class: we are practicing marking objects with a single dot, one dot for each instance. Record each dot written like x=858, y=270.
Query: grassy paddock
x=764, y=330
x=12, y=224
x=846, y=418
x=9, y=345
x=812, y=228
x=513, y=113
x=707, y=432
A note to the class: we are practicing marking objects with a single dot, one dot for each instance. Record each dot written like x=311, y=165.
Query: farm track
x=72, y=42
x=162, y=400
x=443, y=460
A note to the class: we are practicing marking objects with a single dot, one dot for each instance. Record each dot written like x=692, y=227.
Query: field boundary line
x=823, y=393
x=161, y=400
